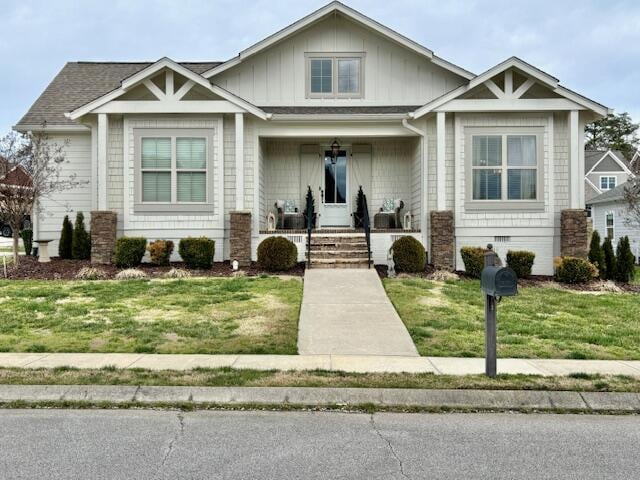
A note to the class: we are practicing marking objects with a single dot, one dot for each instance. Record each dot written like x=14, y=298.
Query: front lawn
x=447, y=319
x=216, y=316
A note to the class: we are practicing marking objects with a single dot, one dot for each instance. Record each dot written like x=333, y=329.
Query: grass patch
x=636, y=279
x=225, y=377
x=447, y=319
x=216, y=316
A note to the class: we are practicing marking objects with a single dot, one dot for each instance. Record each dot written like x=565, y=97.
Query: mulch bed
x=30, y=269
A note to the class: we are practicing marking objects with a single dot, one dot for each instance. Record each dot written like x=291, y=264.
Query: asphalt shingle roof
x=591, y=157
x=79, y=83
x=610, y=195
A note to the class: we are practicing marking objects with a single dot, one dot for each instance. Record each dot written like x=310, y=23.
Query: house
x=331, y=102
x=604, y=171
x=610, y=216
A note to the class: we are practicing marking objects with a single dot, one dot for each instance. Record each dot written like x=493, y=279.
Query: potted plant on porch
x=310, y=204
x=358, y=215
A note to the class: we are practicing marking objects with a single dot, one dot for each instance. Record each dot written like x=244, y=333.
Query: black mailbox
x=499, y=282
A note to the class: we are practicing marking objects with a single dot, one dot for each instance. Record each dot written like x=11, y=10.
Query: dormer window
x=335, y=76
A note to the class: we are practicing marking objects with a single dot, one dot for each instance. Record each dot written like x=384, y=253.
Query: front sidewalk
x=345, y=363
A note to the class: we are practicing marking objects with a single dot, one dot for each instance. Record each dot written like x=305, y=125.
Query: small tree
x=66, y=239
x=33, y=170
x=625, y=261
x=596, y=254
x=359, y=209
x=609, y=260
x=81, y=241
x=309, y=201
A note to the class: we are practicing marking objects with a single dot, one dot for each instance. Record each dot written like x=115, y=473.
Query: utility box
x=499, y=282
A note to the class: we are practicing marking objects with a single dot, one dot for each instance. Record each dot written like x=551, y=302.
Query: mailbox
x=499, y=282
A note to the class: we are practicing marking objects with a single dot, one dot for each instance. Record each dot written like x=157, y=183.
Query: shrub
x=91, y=273
x=27, y=240
x=197, y=252
x=609, y=260
x=160, y=251
x=625, y=261
x=277, y=254
x=521, y=262
x=66, y=238
x=596, y=254
x=129, y=251
x=177, y=273
x=473, y=258
x=575, y=270
x=131, y=274
x=80, y=241
x=409, y=255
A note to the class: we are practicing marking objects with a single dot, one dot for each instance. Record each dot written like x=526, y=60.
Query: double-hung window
x=610, y=224
x=504, y=170
x=334, y=76
x=173, y=170
x=607, y=183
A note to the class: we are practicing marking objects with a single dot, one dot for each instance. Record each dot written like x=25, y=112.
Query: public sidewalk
x=346, y=363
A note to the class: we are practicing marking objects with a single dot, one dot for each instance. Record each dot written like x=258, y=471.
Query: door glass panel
x=335, y=178
x=329, y=179
x=341, y=178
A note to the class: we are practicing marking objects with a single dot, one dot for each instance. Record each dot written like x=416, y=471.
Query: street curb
x=284, y=397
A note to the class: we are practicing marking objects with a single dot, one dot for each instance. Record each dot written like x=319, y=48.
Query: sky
x=592, y=46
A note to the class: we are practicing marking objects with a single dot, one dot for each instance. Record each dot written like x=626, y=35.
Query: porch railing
x=366, y=225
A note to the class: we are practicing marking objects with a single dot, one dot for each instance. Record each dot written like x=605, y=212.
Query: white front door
x=335, y=199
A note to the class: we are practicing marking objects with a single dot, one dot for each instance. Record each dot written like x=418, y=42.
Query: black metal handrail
x=309, y=211
x=367, y=228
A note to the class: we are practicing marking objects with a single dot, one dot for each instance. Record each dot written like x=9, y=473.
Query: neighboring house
x=12, y=177
x=604, y=171
x=179, y=149
x=610, y=216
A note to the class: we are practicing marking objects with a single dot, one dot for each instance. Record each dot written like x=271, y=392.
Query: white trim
x=335, y=58
x=615, y=159
x=613, y=227
x=169, y=106
x=598, y=191
x=45, y=127
x=337, y=117
x=549, y=171
x=524, y=88
x=239, y=166
x=424, y=194
x=103, y=136
x=441, y=167
x=94, y=166
x=219, y=179
x=509, y=105
x=154, y=89
x=184, y=89
x=491, y=85
x=574, y=165
x=608, y=177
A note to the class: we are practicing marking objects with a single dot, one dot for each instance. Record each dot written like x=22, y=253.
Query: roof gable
x=607, y=157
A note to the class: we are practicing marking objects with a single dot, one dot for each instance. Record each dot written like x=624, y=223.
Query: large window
x=504, y=168
x=607, y=182
x=335, y=76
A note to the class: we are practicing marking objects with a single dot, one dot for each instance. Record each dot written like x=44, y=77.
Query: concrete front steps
x=339, y=251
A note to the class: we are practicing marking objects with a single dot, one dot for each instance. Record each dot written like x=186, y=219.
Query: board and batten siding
x=54, y=207
x=393, y=75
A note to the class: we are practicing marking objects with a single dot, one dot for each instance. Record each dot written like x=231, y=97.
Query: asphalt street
x=144, y=444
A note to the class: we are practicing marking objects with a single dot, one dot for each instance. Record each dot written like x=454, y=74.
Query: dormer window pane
x=321, y=75
x=349, y=75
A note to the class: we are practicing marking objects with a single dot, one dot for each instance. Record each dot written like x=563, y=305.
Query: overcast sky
x=591, y=46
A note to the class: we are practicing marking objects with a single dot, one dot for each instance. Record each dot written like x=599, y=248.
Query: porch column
x=440, y=161
x=576, y=176
x=239, y=161
x=101, y=184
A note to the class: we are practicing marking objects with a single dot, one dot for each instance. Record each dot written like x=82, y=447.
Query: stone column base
x=103, y=236
x=574, y=235
x=240, y=238
x=443, y=239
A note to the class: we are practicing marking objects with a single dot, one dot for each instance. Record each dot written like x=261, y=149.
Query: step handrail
x=309, y=210
x=367, y=228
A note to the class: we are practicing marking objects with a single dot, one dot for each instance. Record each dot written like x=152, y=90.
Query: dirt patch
x=253, y=326
x=172, y=337
x=75, y=301
x=436, y=297
x=152, y=315
x=97, y=343
x=271, y=302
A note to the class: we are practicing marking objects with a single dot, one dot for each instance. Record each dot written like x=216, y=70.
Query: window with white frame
x=610, y=224
x=505, y=167
x=607, y=182
x=334, y=76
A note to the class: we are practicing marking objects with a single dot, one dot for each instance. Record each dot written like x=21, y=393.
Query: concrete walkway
x=347, y=312
x=345, y=363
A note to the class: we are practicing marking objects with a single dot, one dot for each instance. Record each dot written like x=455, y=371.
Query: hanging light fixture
x=335, y=150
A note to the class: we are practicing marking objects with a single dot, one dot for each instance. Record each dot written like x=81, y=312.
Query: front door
x=335, y=211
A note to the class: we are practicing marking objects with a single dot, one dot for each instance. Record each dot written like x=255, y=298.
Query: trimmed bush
x=80, y=240
x=409, y=255
x=66, y=238
x=473, y=258
x=91, y=273
x=177, y=273
x=596, y=254
x=197, y=252
x=521, y=262
x=129, y=251
x=575, y=270
x=277, y=254
x=609, y=260
x=625, y=261
x=131, y=274
x=160, y=252
x=27, y=240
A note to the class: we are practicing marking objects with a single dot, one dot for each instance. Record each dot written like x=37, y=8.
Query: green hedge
x=473, y=258
x=625, y=261
x=27, y=240
x=160, y=251
x=129, y=251
x=197, y=252
x=575, y=270
x=277, y=254
x=409, y=255
x=521, y=262
x=80, y=240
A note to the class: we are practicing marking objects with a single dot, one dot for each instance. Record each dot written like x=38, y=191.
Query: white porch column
x=103, y=130
x=239, y=161
x=576, y=176
x=440, y=161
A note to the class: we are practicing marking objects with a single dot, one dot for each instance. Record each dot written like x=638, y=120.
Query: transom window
x=504, y=167
x=610, y=224
x=335, y=76
x=607, y=183
x=173, y=169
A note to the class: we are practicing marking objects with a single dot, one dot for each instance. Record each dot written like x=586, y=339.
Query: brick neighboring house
x=12, y=176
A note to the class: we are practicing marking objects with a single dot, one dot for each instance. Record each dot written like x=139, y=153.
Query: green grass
x=447, y=319
x=636, y=278
x=216, y=316
x=225, y=377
